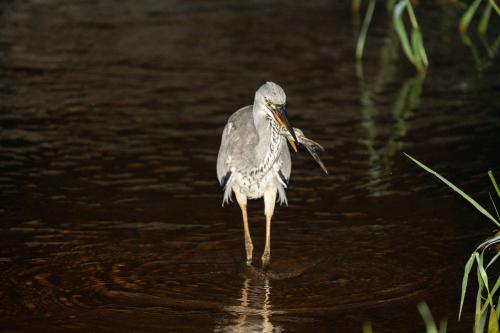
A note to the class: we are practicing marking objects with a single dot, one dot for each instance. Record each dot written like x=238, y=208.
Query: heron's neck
x=270, y=142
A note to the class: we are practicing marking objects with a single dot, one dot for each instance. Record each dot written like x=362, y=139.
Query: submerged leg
x=242, y=201
x=269, y=202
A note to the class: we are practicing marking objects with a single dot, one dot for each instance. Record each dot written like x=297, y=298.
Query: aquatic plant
x=413, y=46
x=414, y=49
x=483, y=24
x=487, y=311
x=485, y=50
x=430, y=324
x=360, y=45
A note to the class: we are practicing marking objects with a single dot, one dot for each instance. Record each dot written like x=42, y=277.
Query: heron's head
x=271, y=99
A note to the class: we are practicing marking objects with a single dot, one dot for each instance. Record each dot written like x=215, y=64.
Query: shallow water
x=110, y=120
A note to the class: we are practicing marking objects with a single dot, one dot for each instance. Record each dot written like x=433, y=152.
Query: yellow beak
x=280, y=117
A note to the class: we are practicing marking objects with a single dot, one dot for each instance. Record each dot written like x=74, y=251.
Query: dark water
x=110, y=120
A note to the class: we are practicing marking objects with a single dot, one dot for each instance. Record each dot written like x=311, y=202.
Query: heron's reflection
x=253, y=314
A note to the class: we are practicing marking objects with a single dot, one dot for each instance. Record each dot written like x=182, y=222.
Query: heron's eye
x=268, y=102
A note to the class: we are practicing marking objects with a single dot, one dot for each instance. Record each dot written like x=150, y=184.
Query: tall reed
x=487, y=311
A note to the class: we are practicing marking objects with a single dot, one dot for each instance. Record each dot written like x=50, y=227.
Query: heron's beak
x=280, y=115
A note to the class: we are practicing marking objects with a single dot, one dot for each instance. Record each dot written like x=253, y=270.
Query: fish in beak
x=279, y=113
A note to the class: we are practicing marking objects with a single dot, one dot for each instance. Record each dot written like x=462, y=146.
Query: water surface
x=110, y=120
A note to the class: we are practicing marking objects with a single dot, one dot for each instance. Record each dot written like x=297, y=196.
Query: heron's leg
x=269, y=202
x=242, y=201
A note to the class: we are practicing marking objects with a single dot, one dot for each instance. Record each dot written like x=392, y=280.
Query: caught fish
x=311, y=146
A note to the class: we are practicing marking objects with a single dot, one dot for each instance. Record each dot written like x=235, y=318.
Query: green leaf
x=423, y=54
x=443, y=325
x=456, y=189
x=467, y=17
x=364, y=30
x=494, y=206
x=495, y=288
x=494, y=183
x=491, y=263
x=465, y=279
x=416, y=46
x=493, y=291
x=493, y=322
x=411, y=14
x=485, y=19
x=427, y=316
x=401, y=31
x=484, y=277
x=495, y=6
x=498, y=306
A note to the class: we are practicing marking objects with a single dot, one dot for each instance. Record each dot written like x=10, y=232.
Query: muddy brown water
x=110, y=121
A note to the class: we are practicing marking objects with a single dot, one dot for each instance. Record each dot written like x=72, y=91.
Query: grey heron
x=254, y=159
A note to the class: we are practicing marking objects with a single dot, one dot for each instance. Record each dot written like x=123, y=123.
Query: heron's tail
x=228, y=189
x=281, y=186
x=282, y=195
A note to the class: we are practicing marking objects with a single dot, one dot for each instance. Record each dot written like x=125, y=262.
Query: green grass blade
x=411, y=14
x=467, y=17
x=493, y=291
x=416, y=46
x=456, y=189
x=465, y=279
x=423, y=54
x=494, y=182
x=494, y=206
x=495, y=288
x=485, y=19
x=443, y=326
x=478, y=315
x=397, y=17
x=484, y=277
x=495, y=6
x=498, y=306
x=364, y=30
x=493, y=322
x=427, y=316
x=492, y=261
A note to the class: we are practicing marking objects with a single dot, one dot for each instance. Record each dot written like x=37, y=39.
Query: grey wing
x=237, y=144
x=223, y=167
x=236, y=153
x=286, y=162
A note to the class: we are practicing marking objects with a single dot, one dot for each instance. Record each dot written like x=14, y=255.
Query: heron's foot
x=249, y=250
x=266, y=259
